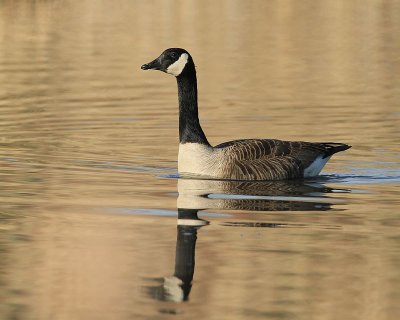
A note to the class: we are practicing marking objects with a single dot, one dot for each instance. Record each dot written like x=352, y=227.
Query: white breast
x=315, y=168
x=197, y=159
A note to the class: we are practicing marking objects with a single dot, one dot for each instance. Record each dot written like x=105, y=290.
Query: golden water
x=88, y=150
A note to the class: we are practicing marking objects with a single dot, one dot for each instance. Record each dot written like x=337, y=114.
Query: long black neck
x=189, y=124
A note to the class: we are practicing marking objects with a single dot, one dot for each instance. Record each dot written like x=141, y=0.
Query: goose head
x=175, y=61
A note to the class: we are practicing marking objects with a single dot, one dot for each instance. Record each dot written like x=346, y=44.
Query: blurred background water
x=88, y=161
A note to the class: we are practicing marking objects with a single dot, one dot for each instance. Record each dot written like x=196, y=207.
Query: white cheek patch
x=177, y=67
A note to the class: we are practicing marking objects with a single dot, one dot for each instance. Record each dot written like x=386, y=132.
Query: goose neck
x=190, y=130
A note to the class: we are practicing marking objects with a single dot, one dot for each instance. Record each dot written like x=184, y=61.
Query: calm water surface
x=88, y=161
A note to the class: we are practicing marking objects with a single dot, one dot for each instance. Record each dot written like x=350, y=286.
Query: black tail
x=332, y=147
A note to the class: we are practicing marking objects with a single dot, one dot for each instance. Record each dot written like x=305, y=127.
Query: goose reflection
x=196, y=195
x=295, y=195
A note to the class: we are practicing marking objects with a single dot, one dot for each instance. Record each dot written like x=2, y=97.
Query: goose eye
x=173, y=55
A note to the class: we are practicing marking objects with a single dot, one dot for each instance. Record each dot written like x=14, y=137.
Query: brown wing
x=270, y=159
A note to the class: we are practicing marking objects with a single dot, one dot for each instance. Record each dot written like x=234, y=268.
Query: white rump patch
x=177, y=67
x=315, y=168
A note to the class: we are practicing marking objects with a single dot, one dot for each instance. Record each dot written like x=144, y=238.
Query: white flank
x=315, y=168
x=196, y=159
x=177, y=67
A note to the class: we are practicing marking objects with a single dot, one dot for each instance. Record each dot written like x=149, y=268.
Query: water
x=88, y=149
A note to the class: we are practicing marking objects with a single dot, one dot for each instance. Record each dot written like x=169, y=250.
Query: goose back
x=270, y=159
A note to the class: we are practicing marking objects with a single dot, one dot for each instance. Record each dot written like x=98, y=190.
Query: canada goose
x=250, y=159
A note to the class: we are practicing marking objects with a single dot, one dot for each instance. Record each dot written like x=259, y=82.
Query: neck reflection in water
x=176, y=288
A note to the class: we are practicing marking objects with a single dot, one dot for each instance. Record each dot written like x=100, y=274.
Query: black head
x=172, y=61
